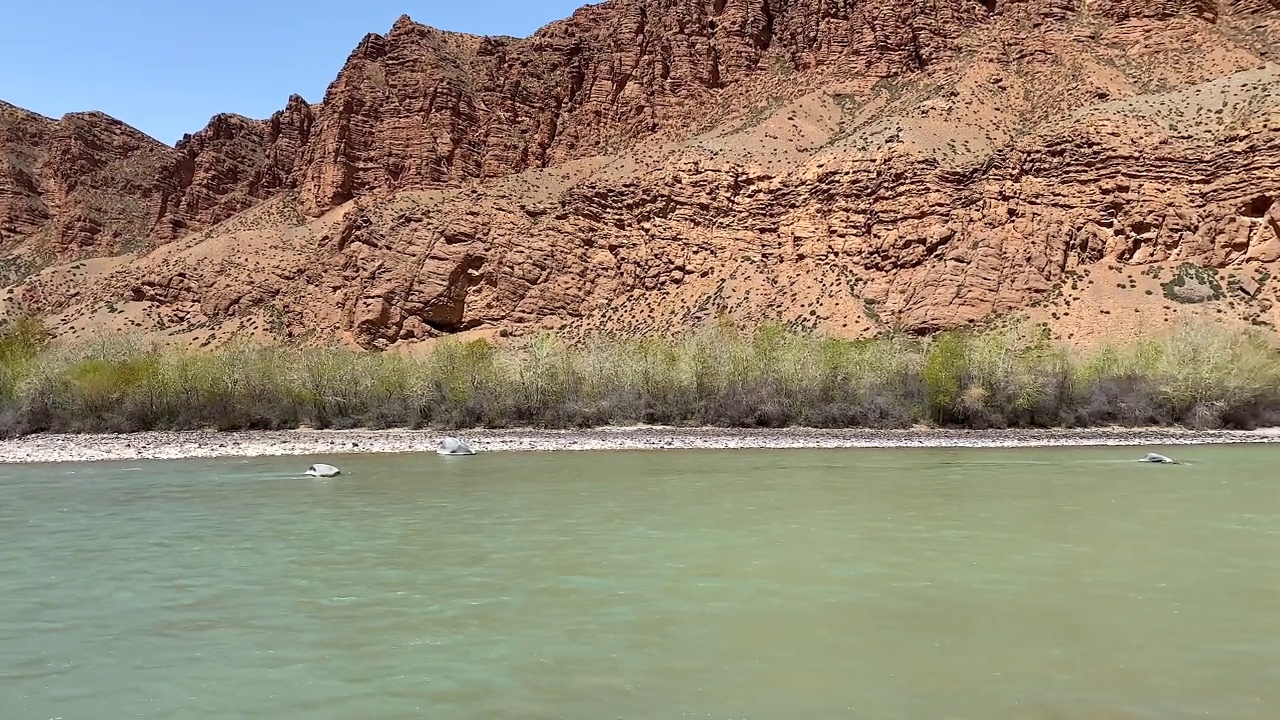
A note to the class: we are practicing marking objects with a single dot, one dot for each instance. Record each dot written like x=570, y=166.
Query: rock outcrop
x=87, y=184
x=649, y=164
x=81, y=183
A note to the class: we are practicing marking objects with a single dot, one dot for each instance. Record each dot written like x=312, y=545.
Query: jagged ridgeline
x=645, y=166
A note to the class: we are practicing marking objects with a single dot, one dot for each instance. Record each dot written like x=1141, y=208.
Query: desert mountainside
x=1102, y=166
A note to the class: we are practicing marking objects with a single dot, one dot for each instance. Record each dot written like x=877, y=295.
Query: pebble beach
x=45, y=448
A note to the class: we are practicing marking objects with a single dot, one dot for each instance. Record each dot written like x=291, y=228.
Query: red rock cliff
x=647, y=163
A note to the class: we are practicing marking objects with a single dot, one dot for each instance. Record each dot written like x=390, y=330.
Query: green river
x=1031, y=584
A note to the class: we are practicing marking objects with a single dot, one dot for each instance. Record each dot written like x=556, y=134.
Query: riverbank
x=177, y=445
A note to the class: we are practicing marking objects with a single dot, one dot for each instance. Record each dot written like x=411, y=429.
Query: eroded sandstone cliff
x=648, y=164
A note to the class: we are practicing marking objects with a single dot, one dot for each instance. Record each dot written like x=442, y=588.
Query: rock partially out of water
x=323, y=470
x=454, y=446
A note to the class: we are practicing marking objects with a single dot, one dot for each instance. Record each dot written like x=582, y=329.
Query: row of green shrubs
x=1203, y=376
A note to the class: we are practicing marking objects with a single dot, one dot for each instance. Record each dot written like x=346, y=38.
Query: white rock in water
x=322, y=470
x=454, y=446
x=1158, y=458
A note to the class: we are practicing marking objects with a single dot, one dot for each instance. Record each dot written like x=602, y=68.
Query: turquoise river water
x=1031, y=584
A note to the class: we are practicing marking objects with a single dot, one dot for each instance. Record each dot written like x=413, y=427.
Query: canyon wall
x=648, y=164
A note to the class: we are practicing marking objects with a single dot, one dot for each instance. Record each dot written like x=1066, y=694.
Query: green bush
x=1200, y=375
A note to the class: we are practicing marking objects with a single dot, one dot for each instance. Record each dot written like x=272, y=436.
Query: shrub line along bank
x=1200, y=376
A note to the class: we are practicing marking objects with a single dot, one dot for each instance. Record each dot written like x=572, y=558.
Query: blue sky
x=167, y=66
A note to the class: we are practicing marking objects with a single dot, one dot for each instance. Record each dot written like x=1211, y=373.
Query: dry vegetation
x=1203, y=376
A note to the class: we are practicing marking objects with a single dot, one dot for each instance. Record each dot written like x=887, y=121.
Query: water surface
x=957, y=584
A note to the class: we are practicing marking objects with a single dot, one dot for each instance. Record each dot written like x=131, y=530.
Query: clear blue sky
x=167, y=66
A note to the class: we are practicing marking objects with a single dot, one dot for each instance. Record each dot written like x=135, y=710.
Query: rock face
x=79, y=183
x=650, y=164
x=232, y=165
x=88, y=184
x=419, y=107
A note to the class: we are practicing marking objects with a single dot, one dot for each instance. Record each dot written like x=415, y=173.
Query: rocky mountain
x=1103, y=166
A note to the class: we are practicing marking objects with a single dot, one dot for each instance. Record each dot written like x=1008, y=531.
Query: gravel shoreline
x=177, y=445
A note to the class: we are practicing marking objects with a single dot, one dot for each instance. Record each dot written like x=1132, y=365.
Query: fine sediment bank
x=176, y=445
